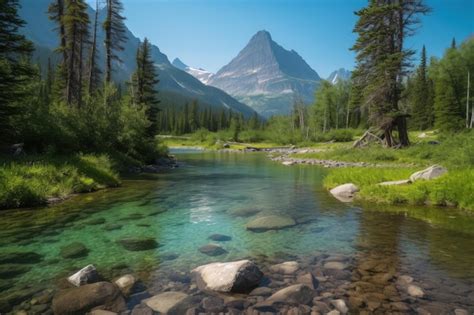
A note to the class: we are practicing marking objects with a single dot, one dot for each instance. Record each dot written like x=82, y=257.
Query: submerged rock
x=20, y=258
x=165, y=302
x=340, y=305
x=287, y=268
x=82, y=299
x=270, y=222
x=74, y=250
x=86, y=275
x=212, y=250
x=220, y=238
x=429, y=173
x=344, y=193
x=138, y=244
x=295, y=294
x=126, y=283
x=415, y=291
x=237, y=277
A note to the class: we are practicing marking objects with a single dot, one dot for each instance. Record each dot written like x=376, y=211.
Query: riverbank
x=36, y=180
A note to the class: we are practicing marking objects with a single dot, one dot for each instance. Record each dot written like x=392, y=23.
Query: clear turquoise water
x=197, y=199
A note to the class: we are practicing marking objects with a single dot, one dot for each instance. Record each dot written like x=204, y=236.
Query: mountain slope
x=174, y=81
x=267, y=77
x=339, y=75
x=202, y=75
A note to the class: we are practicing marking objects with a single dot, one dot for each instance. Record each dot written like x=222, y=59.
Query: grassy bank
x=456, y=188
x=32, y=180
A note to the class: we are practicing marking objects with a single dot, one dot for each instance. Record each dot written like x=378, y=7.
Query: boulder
x=270, y=222
x=344, y=193
x=286, y=268
x=138, y=244
x=395, y=182
x=74, y=250
x=166, y=301
x=80, y=300
x=237, y=277
x=86, y=275
x=220, y=238
x=212, y=250
x=295, y=294
x=125, y=283
x=429, y=173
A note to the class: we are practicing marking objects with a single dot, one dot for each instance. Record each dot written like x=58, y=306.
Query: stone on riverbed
x=236, y=277
x=270, y=222
x=344, y=193
x=295, y=294
x=165, y=302
x=340, y=305
x=74, y=250
x=20, y=257
x=220, y=238
x=138, y=244
x=212, y=250
x=429, y=173
x=126, y=283
x=335, y=265
x=286, y=268
x=86, y=275
x=82, y=299
x=415, y=291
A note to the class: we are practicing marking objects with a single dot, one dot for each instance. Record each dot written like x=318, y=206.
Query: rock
x=334, y=312
x=237, y=277
x=460, y=311
x=226, y=146
x=261, y=291
x=102, y=312
x=82, y=299
x=86, y=275
x=126, y=283
x=335, y=265
x=270, y=222
x=340, y=305
x=415, y=291
x=429, y=173
x=74, y=250
x=220, y=238
x=212, y=250
x=295, y=294
x=286, y=268
x=308, y=279
x=288, y=163
x=138, y=244
x=213, y=304
x=405, y=280
x=395, y=182
x=164, y=302
x=142, y=309
x=20, y=258
x=344, y=193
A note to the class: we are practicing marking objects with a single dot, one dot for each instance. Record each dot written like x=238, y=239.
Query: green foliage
x=31, y=181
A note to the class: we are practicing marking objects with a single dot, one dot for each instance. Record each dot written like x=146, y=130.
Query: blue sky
x=209, y=33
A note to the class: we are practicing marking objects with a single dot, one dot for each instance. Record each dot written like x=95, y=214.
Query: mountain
x=338, y=75
x=176, y=86
x=202, y=75
x=267, y=77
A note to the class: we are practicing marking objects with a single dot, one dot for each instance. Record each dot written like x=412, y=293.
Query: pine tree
x=15, y=69
x=94, y=72
x=420, y=96
x=143, y=82
x=114, y=35
x=56, y=13
x=382, y=60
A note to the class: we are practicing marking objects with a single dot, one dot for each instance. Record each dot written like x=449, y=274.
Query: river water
x=206, y=195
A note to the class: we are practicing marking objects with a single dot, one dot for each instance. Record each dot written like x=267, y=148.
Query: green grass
x=31, y=180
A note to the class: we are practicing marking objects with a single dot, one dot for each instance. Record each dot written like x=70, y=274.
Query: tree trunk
x=108, y=43
x=402, y=131
x=467, y=99
x=70, y=71
x=92, y=60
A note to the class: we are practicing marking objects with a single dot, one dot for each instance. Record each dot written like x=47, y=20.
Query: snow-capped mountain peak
x=202, y=75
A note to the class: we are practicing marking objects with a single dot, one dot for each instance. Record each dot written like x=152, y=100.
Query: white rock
x=334, y=312
x=460, y=311
x=431, y=172
x=86, y=275
x=340, y=305
x=125, y=283
x=405, y=280
x=395, y=182
x=237, y=276
x=287, y=268
x=344, y=193
x=415, y=291
x=288, y=163
x=163, y=302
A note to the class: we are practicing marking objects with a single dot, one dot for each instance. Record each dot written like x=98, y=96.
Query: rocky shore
x=321, y=284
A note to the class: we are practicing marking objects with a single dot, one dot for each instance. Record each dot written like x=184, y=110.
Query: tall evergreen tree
x=382, y=60
x=15, y=69
x=114, y=35
x=144, y=82
x=94, y=72
x=421, y=97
